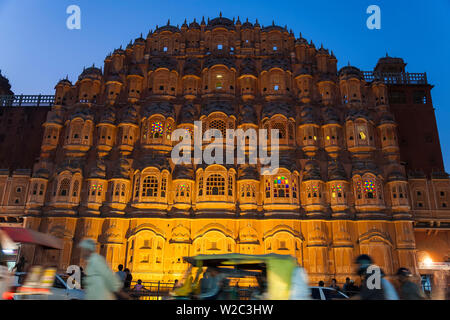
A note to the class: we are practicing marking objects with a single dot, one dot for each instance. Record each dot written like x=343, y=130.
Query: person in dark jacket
x=408, y=290
x=128, y=279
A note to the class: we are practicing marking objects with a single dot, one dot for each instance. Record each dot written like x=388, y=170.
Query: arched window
x=136, y=187
x=76, y=186
x=35, y=187
x=215, y=185
x=267, y=188
x=281, y=129
x=370, y=189
x=64, y=187
x=281, y=187
x=169, y=129
x=230, y=186
x=41, y=190
x=163, y=187
x=156, y=129
x=219, y=125
x=123, y=190
x=200, y=186
x=117, y=191
x=150, y=187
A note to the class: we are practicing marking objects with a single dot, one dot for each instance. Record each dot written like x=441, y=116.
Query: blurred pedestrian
x=128, y=279
x=383, y=291
x=101, y=282
x=334, y=285
x=321, y=283
x=139, y=287
x=20, y=265
x=175, y=284
x=408, y=290
x=299, y=285
x=121, y=274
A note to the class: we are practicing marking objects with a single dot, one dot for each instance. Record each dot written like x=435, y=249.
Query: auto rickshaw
x=272, y=271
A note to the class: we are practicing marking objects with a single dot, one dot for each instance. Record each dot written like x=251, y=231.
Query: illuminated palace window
x=169, y=130
x=247, y=191
x=96, y=188
x=156, y=129
x=183, y=190
x=150, y=187
x=267, y=189
x=281, y=129
x=215, y=185
x=163, y=187
x=230, y=186
x=337, y=191
x=313, y=191
x=369, y=189
x=219, y=125
x=64, y=187
x=281, y=187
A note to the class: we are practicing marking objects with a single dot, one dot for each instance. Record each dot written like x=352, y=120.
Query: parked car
x=324, y=293
x=59, y=291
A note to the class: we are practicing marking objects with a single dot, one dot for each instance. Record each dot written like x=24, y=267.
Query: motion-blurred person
x=20, y=265
x=121, y=274
x=139, y=287
x=408, y=290
x=299, y=285
x=349, y=287
x=101, y=283
x=321, y=283
x=385, y=290
x=128, y=279
x=212, y=285
x=5, y=276
x=334, y=285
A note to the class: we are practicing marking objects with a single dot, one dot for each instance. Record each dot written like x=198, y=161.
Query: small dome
x=302, y=71
x=248, y=172
x=336, y=171
x=361, y=167
x=248, y=115
x=113, y=77
x=162, y=62
x=387, y=117
x=108, y=116
x=311, y=171
x=163, y=108
x=396, y=176
x=134, y=70
x=98, y=171
x=188, y=113
x=222, y=106
x=82, y=112
x=183, y=172
x=273, y=62
x=64, y=82
x=121, y=169
x=213, y=60
x=349, y=72
x=247, y=25
x=130, y=115
x=248, y=67
x=277, y=107
x=308, y=115
x=330, y=115
x=153, y=159
x=54, y=117
x=191, y=67
x=273, y=27
x=194, y=25
x=91, y=73
x=357, y=113
x=220, y=22
x=167, y=27
x=42, y=173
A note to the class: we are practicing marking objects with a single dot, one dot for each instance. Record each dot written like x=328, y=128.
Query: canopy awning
x=23, y=235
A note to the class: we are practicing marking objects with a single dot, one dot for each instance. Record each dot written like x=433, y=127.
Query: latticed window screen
x=35, y=188
x=116, y=193
x=76, y=186
x=215, y=185
x=64, y=187
x=281, y=187
x=219, y=125
x=200, y=186
x=163, y=187
x=230, y=186
x=281, y=129
x=123, y=190
x=41, y=190
x=150, y=187
x=136, y=187
x=156, y=129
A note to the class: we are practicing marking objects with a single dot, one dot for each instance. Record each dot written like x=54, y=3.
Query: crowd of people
x=402, y=288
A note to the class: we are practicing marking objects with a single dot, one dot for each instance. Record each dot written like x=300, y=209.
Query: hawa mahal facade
x=346, y=184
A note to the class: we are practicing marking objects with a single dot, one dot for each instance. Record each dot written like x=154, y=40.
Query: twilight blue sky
x=36, y=48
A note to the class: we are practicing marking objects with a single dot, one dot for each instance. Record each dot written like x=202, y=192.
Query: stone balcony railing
x=396, y=78
x=27, y=100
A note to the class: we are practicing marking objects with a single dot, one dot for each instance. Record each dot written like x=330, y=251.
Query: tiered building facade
x=105, y=170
